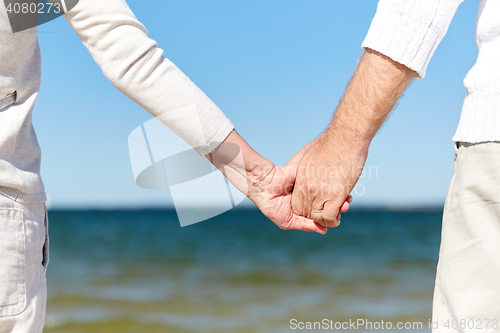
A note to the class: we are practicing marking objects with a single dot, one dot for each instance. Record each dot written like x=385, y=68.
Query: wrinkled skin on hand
x=326, y=175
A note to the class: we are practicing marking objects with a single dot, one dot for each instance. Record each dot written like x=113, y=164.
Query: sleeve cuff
x=218, y=138
x=409, y=32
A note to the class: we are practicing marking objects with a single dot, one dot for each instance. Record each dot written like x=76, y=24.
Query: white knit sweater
x=132, y=61
x=409, y=31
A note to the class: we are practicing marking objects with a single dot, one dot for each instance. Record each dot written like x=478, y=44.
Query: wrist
x=259, y=172
x=376, y=85
x=344, y=138
x=246, y=169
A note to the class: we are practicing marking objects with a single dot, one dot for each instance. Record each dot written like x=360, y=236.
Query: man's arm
x=407, y=32
x=331, y=167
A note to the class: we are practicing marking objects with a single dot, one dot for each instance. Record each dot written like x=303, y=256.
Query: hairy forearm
x=332, y=166
x=375, y=88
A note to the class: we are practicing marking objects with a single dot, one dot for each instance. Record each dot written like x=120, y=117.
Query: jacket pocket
x=12, y=262
x=8, y=100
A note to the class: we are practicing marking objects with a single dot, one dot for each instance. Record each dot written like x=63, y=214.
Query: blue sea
x=139, y=271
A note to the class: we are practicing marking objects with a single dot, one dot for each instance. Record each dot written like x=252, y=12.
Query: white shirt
x=409, y=31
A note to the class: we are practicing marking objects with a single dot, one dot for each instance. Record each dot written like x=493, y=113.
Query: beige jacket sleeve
x=136, y=66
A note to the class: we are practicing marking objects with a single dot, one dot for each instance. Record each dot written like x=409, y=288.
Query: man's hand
x=333, y=163
x=326, y=175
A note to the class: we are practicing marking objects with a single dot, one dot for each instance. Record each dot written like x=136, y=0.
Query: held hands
x=268, y=186
x=273, y=195
x=327, y=172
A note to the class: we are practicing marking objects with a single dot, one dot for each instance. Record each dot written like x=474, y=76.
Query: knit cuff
x=409, y=31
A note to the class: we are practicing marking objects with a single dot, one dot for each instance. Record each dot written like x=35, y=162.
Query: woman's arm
x=137, y=67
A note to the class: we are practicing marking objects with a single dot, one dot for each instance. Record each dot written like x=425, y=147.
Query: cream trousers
x=23, y=262
x=467, y=292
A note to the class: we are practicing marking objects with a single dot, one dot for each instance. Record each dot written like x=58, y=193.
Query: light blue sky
x=276, y=68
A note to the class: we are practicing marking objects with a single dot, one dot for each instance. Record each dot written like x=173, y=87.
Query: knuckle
x=329, y=220
x=319, y=221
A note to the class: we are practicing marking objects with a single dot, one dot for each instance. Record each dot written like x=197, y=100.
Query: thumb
x=289, y=176
x=297, y=157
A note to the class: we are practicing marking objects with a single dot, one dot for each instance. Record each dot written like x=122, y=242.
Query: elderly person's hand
x=327, y=173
